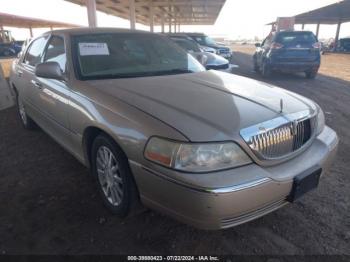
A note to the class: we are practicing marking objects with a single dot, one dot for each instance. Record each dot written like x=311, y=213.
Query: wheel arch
x=89, y=135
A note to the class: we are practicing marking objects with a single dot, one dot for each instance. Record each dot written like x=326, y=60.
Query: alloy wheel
x=109, y=176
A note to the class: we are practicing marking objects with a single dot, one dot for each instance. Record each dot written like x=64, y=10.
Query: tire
x=26, y=121
x=113, y=176
x=266, y=70
x=256, y=67
x=311, y=74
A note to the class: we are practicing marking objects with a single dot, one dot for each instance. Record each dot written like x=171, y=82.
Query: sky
x=239, y=19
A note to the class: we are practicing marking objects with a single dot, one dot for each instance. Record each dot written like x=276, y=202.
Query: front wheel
x=113, y=176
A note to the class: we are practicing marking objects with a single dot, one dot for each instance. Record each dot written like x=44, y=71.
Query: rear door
x=296, y=47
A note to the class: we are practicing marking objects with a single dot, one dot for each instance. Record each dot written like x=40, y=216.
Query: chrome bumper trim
x=223, y=190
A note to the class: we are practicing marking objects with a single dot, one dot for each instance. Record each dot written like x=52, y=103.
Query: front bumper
x=254, y=191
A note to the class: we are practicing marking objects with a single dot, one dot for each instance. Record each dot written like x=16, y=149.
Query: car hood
x=205, y=106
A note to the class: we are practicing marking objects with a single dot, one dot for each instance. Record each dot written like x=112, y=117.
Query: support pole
x=91, y=10
x=302, y=26
x=132, y=14
x=337, y=35
x=169, y=24
x=163, y=23
x=317, y=30
x=31, y=32
x=151, y=17
x=51, y=28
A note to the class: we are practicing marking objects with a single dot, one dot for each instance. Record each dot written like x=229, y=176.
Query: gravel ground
x=49, y=205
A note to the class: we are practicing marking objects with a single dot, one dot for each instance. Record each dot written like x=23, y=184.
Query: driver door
x=53, y=95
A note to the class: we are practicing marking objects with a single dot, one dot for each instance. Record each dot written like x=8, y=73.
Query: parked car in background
x=209, y=60
x=8, y=46
x=288, y=51
x=209, y=148
x=9, y=49
x=343, y=45
x=207, y=44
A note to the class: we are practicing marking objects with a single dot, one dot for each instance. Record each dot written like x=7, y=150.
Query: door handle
x=37, y=84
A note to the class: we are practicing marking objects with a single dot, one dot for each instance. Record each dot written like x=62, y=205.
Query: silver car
x=209, y=148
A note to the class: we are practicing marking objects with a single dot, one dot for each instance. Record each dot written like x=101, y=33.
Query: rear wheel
x=266, y=70
x=256, y=67
x=113, y=177
x=26, y=121
x=311, y=74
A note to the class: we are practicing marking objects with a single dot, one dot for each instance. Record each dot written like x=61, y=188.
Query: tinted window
x=296, y=38
x=187, y=45
x=35, y=51
x=56, y=52
x=116, y=55
x=204, y=40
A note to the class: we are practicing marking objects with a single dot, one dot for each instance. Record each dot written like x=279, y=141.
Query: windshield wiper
x=173, y=71
x=143, y=74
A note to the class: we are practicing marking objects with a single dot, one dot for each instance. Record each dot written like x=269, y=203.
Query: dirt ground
x=49, y=205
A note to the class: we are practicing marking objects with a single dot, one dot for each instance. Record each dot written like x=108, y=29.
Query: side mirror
x=257, y=44
x=50, y=70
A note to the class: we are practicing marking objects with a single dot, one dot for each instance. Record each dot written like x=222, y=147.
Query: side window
x=35, y=52
x=55, y=52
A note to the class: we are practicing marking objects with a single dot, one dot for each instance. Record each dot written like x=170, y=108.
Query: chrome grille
x=279, y=137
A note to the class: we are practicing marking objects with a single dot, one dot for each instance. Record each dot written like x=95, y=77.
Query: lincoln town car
x=158, y=130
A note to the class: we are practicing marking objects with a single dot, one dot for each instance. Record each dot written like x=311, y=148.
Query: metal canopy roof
x=184, y=12
x=27, y=22
x=331, y=14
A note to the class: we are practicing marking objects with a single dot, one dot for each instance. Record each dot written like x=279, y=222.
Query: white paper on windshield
x=87, y=49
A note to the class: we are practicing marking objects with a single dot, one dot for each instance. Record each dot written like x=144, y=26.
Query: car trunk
x=296, y=47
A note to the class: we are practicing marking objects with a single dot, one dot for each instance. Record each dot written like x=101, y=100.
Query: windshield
x=123, y=55
x=188, y=45
x=205, y=40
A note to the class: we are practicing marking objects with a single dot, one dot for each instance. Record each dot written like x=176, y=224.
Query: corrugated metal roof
x=185, y=12
x=331, y=14
x=26, y=22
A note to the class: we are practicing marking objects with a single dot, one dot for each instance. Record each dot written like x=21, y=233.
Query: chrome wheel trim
x=109, y=176
x=22, y=112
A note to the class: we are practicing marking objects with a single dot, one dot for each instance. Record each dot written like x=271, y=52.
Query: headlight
x=195, y=157
x=321, y=122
